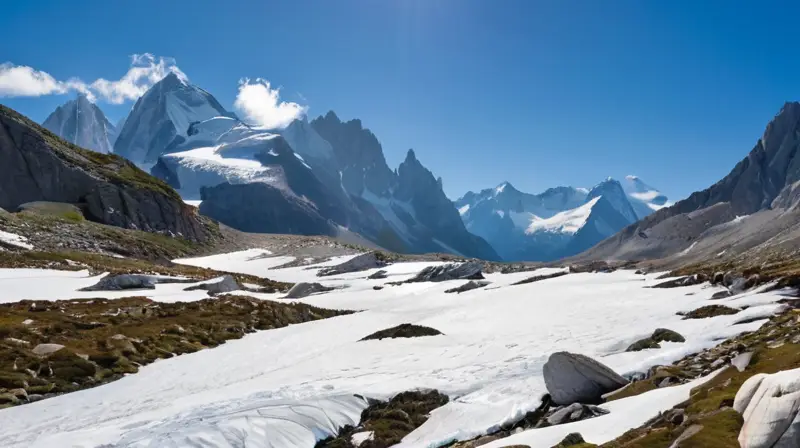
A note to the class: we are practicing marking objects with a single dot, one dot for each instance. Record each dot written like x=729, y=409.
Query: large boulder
x=573, y=378
x=131, y=281
x=470, y=270
x=226, y=284
x=361, y=262
x=303, y=289
x=769, y=405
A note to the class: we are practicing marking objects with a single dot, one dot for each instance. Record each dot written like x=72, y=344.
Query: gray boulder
x=381, y=274
x=573, y=413
x=571, y=439
x=361, y=262
x=470, y=270
x=226, y=284
x=573, y=378
x=769, y=406
x=301, y=290
x=132, y=281
x=469, y=286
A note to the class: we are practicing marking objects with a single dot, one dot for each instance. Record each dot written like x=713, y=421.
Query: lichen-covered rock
x=303, y=289
x=471, y=270
x=769, y=405
x=358, y=263
x=710, y=311
x=571, y=439
x=573, y=378
x=667, y=335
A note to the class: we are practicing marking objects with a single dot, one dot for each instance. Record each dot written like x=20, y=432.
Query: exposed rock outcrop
x=471, y=270
x=39, y=166
x=303, y=289
x=573, y=378
x=132, y=281
x=358, y=263
x=223, y=285
x=236, y=206
x=469, y=286
x=659, y=335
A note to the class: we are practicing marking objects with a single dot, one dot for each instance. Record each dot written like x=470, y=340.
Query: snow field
x=291, y=386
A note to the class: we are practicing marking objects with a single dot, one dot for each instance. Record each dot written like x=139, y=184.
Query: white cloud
x=20, y=80
x=145, y=70
x=260, y=104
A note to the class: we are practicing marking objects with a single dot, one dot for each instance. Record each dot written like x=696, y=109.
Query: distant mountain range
x=326, y=176
x=558, y=223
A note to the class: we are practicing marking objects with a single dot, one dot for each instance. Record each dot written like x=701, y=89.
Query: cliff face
x=39, y=166
x=761, y=184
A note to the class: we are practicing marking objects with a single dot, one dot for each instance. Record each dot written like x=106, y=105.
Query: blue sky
x=539, y=93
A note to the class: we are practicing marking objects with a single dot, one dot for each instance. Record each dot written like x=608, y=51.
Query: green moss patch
x=710, y=311
x=104, y=339
x=389, y=421
x=403, y=331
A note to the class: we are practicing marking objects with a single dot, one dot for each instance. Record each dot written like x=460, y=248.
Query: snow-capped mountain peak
x=559, y=222
x=613, y=192
x=163, y=113
x=83, y=123
x=644, y=198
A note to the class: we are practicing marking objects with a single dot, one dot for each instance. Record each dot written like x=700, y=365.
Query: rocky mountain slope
x=752, y=210
x=324, y=177
x=39, y=166
x=558, y=223
x=81, y=122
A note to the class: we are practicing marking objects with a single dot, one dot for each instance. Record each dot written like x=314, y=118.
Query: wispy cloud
x=145, y=70
x=260, y=104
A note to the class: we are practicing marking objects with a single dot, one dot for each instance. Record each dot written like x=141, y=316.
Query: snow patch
x=569, y=221
x=12, y=239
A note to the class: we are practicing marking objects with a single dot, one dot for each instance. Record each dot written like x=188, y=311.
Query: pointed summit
x=163, y=114
x=81, y=122
x=411, y=156
x=331, y=116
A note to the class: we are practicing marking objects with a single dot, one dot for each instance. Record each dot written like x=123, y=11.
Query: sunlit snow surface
x=15, y=240
x=288, y=387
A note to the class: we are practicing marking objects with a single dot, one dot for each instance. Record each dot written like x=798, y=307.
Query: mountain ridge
x=557, y=223
x=741, y=213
